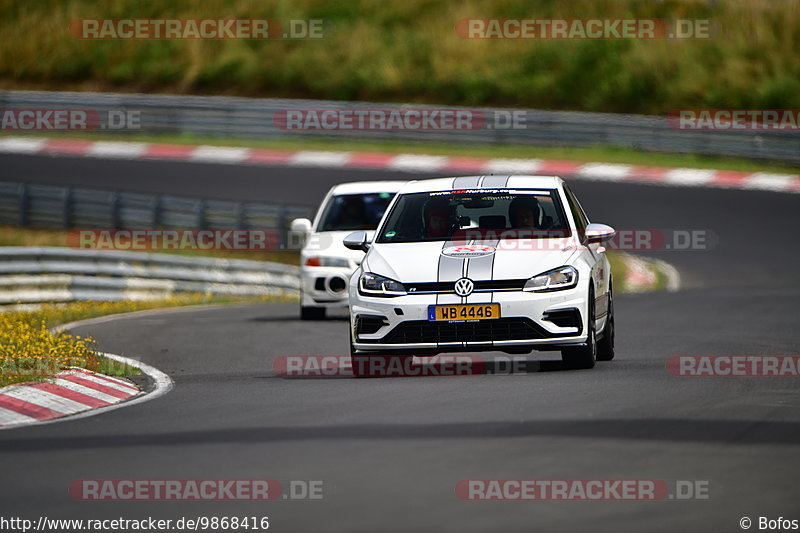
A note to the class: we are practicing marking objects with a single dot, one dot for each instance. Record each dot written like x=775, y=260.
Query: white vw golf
x=482, y=263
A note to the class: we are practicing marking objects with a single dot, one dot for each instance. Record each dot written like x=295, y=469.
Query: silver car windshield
x=350, y=212
x=471, y=215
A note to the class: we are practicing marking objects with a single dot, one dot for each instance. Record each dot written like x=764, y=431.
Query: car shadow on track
x=456, y=365
x=295, y=318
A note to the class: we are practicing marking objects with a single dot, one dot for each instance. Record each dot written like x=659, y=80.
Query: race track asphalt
x=390, y=451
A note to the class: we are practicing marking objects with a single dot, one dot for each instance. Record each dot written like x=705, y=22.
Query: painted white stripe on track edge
x=320, y=159
x=105, y=378
x=689, y=177
x=46, y=399
x=21, y=145
x=121, y=150
x=218, y=154
x=768, y=182
x=604, y=171
x=100, y=381
x=512, y=166
x=8, y=417
x=83, y=389
x=417, y=163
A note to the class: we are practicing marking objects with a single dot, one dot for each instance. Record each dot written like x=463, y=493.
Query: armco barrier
x=52, y=274
x=50, y=206
x=214, y=116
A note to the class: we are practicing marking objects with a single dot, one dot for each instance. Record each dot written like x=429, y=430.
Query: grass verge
x=410, y=51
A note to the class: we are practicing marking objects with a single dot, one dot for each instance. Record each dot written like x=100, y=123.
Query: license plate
x=463, y=312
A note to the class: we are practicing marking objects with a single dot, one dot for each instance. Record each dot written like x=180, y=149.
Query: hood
x=447, y=261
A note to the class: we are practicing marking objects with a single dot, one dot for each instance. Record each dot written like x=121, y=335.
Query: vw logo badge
x=464, y=287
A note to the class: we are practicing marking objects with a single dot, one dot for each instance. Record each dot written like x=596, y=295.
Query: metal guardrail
x=214, y=116
x=49, y=206
x=51, y=274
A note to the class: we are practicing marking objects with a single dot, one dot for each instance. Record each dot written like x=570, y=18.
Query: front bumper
x=325, y=286
x=401, y=323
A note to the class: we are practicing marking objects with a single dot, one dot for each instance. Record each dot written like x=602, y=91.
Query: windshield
x=349, y=212
x=479, y=215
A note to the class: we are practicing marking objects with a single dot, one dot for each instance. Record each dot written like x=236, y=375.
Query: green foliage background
x=409, y=51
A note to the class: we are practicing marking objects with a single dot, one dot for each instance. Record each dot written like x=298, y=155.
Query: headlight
x=375, y=285
x=557, y=279
x=327, y=262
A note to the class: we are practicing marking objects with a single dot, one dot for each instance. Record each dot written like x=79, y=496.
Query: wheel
x=312, y=313
x=584, y=356
x=605, y=346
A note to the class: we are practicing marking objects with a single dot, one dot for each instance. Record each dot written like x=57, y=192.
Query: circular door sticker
x=468, y=250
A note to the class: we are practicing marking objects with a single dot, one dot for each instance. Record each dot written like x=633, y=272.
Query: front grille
x=501, y=329
x=489, y=285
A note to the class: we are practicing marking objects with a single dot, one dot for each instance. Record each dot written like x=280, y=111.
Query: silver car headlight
x=374, y=285
x=558, y=279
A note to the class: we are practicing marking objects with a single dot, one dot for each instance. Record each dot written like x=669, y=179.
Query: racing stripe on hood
x=495, y=182
x=450, y=268
x=466, y=183
x=481, y=268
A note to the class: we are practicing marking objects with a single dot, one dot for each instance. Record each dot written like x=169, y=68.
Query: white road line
x=85, y=390
x=121, y=150
x=319, y=159
x=46, y=399
x=417, y=163
x=21, y=145
x=689, y=177
x=512, y=166
x=219, y=154
x=12, y=417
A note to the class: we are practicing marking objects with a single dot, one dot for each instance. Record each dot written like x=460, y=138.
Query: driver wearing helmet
x=524, y=212
x=436, y=216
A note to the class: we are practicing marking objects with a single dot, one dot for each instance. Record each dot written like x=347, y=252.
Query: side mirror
x=301, y=225
x=358, y=240
x=596, y=233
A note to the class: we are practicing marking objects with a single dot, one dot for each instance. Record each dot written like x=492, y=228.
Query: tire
x=605, y=346
x=312, y=313
x=582, y=357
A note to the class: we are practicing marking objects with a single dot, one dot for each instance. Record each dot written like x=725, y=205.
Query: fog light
x=337, y=284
